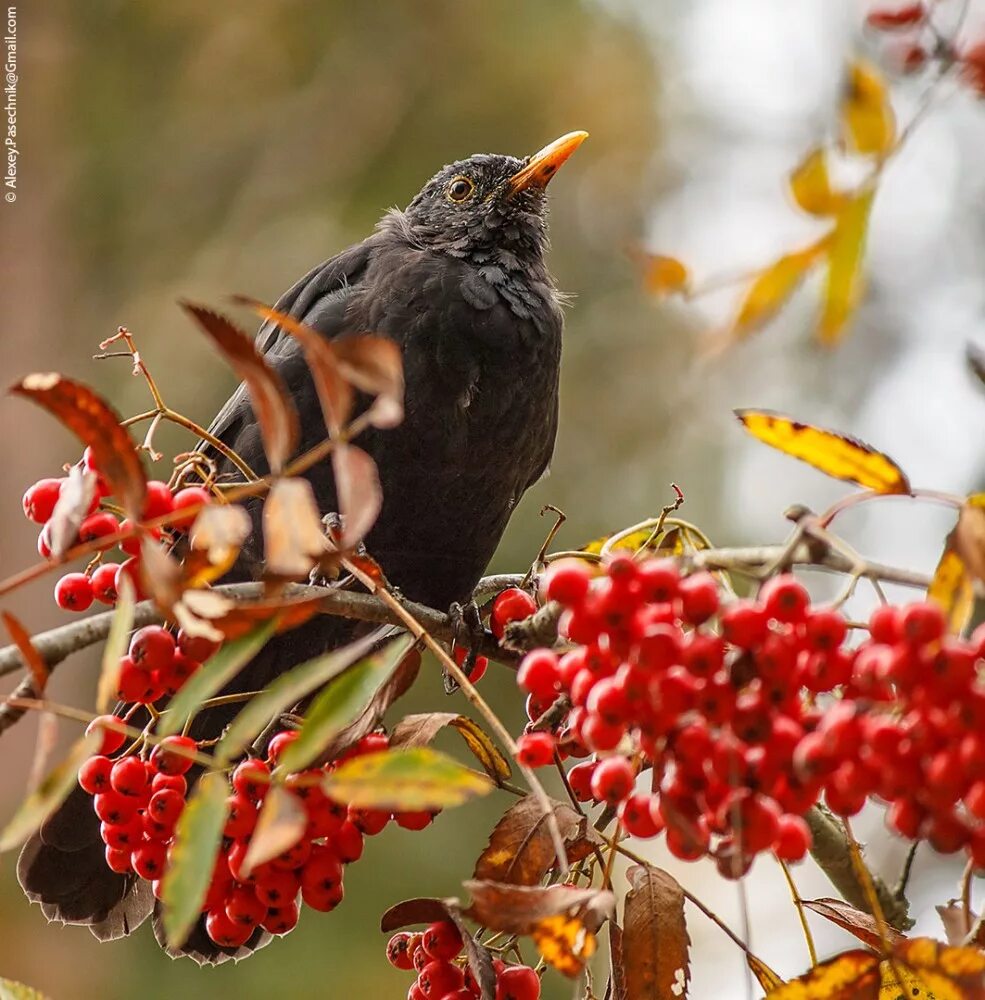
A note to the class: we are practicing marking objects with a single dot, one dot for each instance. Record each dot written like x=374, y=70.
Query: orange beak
x=542, y=166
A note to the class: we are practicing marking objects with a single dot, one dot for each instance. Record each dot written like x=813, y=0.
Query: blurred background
x=180, y=150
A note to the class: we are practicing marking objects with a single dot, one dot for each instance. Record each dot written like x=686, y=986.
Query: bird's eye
x=460, y=188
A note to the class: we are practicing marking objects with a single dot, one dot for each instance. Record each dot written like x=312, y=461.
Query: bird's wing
x=319, y=300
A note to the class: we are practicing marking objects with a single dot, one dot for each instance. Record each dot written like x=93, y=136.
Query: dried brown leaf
x=293, y=537
x=357, y=485
x=655, y=938
x=272, y=404
x=617, y=980
x=862, y=925
x=97, y=425
x=518, y=909
x=32, y=658
x=71, y=508
x=280, y=825
x=374, y=366
x=520, y=849
x=420, y=730
x=969, y=535
x=219, y=532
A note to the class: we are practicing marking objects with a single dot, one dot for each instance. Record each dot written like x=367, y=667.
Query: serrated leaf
x=655, y=941
x=772, y=287
x=403, y=780
x=830, y=452
x=280, y=825
x=868, y=123
x=272, y=403
x=283, y=693
x=341, y=702
x=197, y=838
x=97, y=425
x=50, y=793
x=420, y=730
x=857, y=922
x=116, y=645
x=520, y=849
x=213, y=675
x=810, y=185
x=845, y=249
x=951, y=589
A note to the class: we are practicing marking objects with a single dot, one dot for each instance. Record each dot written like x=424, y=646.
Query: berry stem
x=799, y=904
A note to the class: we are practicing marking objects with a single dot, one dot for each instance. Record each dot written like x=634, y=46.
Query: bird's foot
x=468, y=630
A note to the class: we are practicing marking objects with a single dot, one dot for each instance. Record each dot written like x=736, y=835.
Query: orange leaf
x=773, y=287
x=852, y=975
x=765, y=976
x=810, y=185
x=664, y=275
x=868, y=124
x=951, y=589
x=371, y=364
x=565, y=943
x=32, y=658
x=271, y=401
x=518, y=909
x=834, y=454
x=97, y=425
x=845, y=248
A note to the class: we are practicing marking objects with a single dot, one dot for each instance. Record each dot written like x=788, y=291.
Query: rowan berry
x=73, y=592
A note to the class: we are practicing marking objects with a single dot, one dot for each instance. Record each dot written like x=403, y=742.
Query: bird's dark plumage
x=459, y=281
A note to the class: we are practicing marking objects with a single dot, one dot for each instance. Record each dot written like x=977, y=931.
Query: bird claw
x=469, y=632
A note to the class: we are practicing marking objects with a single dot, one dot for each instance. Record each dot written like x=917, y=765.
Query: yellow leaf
x=867, y=118
x=766, y=977
x=773, y=287
x=845, y=247
x=834, y=454
x=969, y=535
x=668, y=542
x=565, y=943
x=951, y=589
x=664, y=275
x=810, y=185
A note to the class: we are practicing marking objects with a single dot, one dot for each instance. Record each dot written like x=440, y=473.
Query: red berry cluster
x=735, y=724
x=77, y=591
x=158, y=663
x=139, y=801
x=433, y=955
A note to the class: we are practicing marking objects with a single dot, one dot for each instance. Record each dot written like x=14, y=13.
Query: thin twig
x=799, y=904
x=472, y=696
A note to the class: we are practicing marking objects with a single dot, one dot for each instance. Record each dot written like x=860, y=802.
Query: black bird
x=459, y=280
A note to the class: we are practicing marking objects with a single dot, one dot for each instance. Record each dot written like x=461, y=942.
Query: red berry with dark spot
x=152, y=647
x=398, y=951
x=539, y=675
x=196, y=647
x=167, y=757
x=281, y=919
x=613, y=780
x=535, y=749
x=698, y=595
x=113, y=732
x=518, y=982
x=73, y=592
x=567, y=582
x=103, y=582
x=39, y=501
x=94, y=774
x=442, y=940
x=129, y=777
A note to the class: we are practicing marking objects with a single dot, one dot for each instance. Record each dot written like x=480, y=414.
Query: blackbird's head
x=489, y=208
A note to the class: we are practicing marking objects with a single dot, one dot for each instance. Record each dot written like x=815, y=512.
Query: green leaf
x=405, y=781
x=9, y=990
x=116, y=645
x=213, y=675
x=50, y=794
x=341, y=701
x=197, y=839
x=285, y=691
